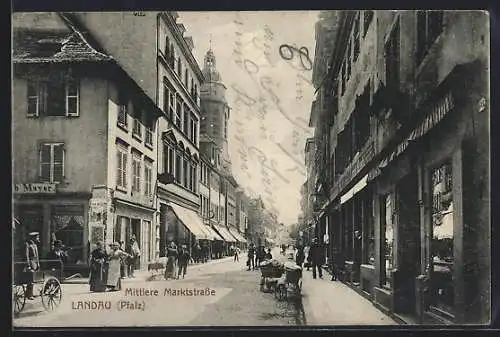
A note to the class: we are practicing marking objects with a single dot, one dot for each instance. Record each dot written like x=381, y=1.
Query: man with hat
x=317, y=257
x=33, y=261
x=183, y=260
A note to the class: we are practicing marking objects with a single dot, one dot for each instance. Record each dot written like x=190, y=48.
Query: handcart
x=290, y=282
x=270, y=271
x=46, y=284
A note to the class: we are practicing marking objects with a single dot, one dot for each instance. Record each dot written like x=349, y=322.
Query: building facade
x=66, y=89
x=403, y=178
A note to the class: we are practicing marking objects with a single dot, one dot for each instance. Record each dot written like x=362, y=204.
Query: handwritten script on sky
x=265, y=61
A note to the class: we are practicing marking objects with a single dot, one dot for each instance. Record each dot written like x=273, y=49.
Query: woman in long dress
x=172, y=253
x=97, y=278
x=114, y=262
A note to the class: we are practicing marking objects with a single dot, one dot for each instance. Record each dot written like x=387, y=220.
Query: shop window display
x=442, y=238
x=388, y=239
x=67, y=225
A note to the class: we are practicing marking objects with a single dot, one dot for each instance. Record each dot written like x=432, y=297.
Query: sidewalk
x=333, y=303
x=144, y=274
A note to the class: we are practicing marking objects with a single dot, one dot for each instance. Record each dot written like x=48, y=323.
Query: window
x=168, y=159
x=186, y=78
x=225, y=127
x=185, y=182
x=121, y=165
x=171, y=58
x=442, y=289
x=136, y=173
x=137, y=126
x=370, y=230
x=392, y=54
x=356, y=37
x=148, y=177
x=429, y=27
x=367, y=19
x=179, y=67
x=178, y=167
x=342, y=79
x=185, y=126
x=149, y=136
x=122, y=110
x=56, y=96
x=167, y=46
x=178, y=114
x=67, y=224
x=166, y=98
x=192, y=89
x=195, y=131
x=193, y=181
x=52, y=162
x=387, y=213
x=171, y=107
x=192, y=130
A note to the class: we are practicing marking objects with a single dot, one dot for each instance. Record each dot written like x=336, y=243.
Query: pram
x=271, y=271
x=291, y=281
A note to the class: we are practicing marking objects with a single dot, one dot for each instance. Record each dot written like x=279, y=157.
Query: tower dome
x=209, y=68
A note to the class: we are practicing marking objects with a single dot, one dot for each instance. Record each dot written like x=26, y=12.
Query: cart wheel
x=51, y=294
x=18, y=298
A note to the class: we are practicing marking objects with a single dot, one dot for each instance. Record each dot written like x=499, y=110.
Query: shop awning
x=355, y=189
x=225, y=234
x=191, y=220
x=237, y=235
x=213, y=234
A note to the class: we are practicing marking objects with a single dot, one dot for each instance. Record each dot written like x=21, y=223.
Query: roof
x=46, y=46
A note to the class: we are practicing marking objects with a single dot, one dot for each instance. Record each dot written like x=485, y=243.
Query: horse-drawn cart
x=46, y=284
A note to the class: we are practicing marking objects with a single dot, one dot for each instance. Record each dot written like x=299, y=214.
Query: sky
x=270, y=96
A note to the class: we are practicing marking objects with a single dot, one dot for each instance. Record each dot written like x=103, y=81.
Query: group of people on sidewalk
x=108, y=268
x=178, y=259
x=256, y=255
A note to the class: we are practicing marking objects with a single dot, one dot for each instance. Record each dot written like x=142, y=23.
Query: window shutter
x=45, y=154
x=58, y=162
x=33, y=99
x=119, y=168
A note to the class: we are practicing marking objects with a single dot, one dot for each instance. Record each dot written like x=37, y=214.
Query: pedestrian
x=171, y=253
x=32, y=261
x=309, y=257
x=250, y=255
x=113, y=281
x=236, y=253
x=183, y=260
x=134, y=254
x=317, y=257
x=268, y=255
x=299, y=258
x=97, y=279
x=123, y=262
x=57, y=253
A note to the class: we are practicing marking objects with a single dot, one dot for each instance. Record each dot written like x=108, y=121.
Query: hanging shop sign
x=35, y=188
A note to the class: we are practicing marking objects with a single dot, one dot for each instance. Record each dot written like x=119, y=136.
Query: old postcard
x=251, y=168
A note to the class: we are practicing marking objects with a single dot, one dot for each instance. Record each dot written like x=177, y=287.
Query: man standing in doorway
x=317, y=254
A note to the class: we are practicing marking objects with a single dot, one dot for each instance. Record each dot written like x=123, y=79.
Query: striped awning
x=191, y=221
x=237, y=235
x=225, y=234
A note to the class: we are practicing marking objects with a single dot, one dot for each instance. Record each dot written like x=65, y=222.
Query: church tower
x=215, y=111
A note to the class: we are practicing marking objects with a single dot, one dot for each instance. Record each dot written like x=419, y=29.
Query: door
x=409, y=242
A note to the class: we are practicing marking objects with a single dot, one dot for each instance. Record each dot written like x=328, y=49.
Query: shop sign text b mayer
x=35, y=188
